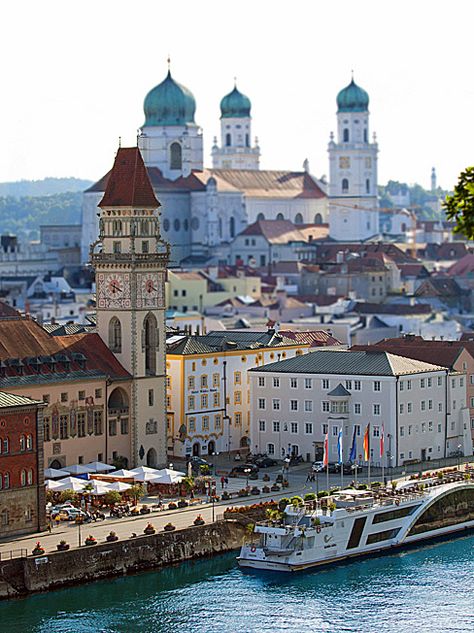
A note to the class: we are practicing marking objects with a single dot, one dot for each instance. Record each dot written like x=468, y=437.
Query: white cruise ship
x=357, y=523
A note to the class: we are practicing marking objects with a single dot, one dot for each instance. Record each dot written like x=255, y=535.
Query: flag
x=353, y=455
x=326, y=451
x=382, y=441
x=367, y=443
x=339, y=446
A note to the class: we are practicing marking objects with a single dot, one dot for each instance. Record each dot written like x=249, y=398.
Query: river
x=425, y=590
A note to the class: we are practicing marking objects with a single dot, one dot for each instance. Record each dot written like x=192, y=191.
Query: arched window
x=29, y=442
x=228, y=140
x=115, y=335
x=365, y=135
x=176, y=156
x=232, y=227
x=29, y=477
x=116, y=227
x=23, y=478
x=345, y=135
x=22, y=443
x=6, y=480
x=298, y=218
x=280, y=216
x=345, y=185
x=318, y=218
x=150, y=344
x=367, y=186
x=260, y=216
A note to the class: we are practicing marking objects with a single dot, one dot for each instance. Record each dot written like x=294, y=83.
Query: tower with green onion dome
x=353, y=203
x=236, y=150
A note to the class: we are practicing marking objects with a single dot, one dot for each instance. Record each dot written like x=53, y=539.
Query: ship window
x=382, y=536
x=356, y=532
x=454, y=507
x=393, y=514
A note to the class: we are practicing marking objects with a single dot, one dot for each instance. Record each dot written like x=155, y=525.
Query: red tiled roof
x=315, y=338
x=7, y=311
x=128, y=184
x=413, y=270
x=465, y=266
x=444, y=353
x=275, y=231
x=22, y=337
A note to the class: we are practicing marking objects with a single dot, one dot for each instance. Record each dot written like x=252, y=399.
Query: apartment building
x=421, y=407
x=207, y=387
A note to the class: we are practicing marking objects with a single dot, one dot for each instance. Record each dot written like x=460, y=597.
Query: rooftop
x=219, y=341
x=128, y=184
x=12, y=400
x=355, y=363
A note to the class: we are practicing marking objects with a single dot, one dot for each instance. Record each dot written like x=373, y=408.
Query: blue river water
x=425, y=590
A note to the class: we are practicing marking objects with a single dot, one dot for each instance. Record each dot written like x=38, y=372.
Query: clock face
x=113, y=290
x=151, y=290
x=113, y=286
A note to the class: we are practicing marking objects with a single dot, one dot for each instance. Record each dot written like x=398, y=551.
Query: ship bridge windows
x=377, y=537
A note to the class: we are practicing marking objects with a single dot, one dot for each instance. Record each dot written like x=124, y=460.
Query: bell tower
x=130, y=260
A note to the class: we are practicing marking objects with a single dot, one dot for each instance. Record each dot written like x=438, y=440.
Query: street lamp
x=247, y=472
x=459, y=456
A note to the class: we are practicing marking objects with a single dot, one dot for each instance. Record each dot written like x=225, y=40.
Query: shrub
x=68, y=495
x=440, y=474
x=310, y=496
x=296, y=501
x=323, y=493
x=362, y=487
x=112, y=497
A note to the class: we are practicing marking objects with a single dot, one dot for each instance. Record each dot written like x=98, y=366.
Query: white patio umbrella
x=54, y=473
x=99, y=467
x=71, y=483
x=96, y=488
x=144, y=473
x=123, y=473
x=119, y=486
x=52, y=485
x=167, y=476
x=78, y=469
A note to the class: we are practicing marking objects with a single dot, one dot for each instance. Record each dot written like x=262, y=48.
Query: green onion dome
x=352, y=98
x=169, y=103
x=235, y=105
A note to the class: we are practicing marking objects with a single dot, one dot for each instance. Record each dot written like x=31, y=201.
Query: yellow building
x=207, y=388
x=192, y=291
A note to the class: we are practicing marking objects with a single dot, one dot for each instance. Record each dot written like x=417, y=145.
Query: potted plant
x=62, y=546
x=199, y=520
x=90, y=540
x=111, y=536
x=38, y=549
x=169, y=527
x=310, y=496
x=149, y=529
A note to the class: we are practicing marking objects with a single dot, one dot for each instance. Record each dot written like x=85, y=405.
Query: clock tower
x=130, y=260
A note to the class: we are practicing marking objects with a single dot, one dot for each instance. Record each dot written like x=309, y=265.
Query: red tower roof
x=128, y=183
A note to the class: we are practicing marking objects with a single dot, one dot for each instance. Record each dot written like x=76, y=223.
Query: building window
x=293, y=383
x=45, y=398
x=5, y=518
x=308, y=428
x=402, y=407
x=376, y=385
x=325, y=406
x=98, y=422
x=151, y=344
x=308, y=405
x=271, y=449
x=124, y=426
x=293, y=405
x=261, y=403
x=430, y=404
x=376, y=431
x=294, y=427
x=238, y=419
x=117, y=247
x=63, y=430
x=228, y=140
x=367, y=186
x=276, y=383
x=23, y=478
x=402, y=385
x=261, y=425
x=422, y=405
x=308, y=383
x=204, y=381
x=81, y=424
x=216, y=399
x=115, y=335
x=205, y=423
x=215, y=380
x=429, y=381
x=98, y=393
x=176, y=158
x=409, y=385
x=325, y=383
x=345, y=185
x=261, y=381
x=191, y=403
x=357, y=385
x=409, y=407
x=357, y=408
x=113, y=427
x=422, y=383
x=29, y=442
x=191, y=382
x=402, y=431
x=345, y=135
x=276, y=426
x=204, y=401
x=192, y=425
x=237, y=378
x=237, y=397
x=325, y=428
x=64, y=397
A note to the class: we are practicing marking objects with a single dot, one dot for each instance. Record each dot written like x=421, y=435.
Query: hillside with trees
x=45, y=187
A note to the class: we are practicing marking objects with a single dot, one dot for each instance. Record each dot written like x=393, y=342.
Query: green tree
x=136, y=492
x=112, y=497
x=460, y=205
x=68, y=495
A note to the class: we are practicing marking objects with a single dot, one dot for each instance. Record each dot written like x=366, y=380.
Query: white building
x=422, y=407
x=353, y=204
x=208, y=400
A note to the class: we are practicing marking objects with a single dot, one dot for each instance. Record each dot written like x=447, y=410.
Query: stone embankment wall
x=20, y=577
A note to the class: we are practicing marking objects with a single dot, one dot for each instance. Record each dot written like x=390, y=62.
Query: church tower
x=169, y=138
x=353, y=200
x=433, y=180
x=130, y=267
x=236, y=151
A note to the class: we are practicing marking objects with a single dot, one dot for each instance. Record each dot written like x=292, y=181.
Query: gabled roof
x=339, y=392
x=366, y=363
x=7, y=311
x=439, y=287
x=413, y=270
x=219, y=341
x=275, y=231
x=444, y=353
x=12, y=400
x=128, y=184
x=465, y=266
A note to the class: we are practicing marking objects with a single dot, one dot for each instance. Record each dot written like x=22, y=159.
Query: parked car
x=61, y=506
x=265, y=462
x=336, y=468
x=244, y=470
x=70, y=514
x=197, y=462
x=318, y=467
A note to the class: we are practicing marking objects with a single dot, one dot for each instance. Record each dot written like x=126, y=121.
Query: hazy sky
x=75, y=75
